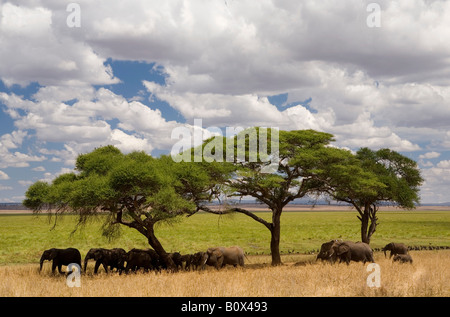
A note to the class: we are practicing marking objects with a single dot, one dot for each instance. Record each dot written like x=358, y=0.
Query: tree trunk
x=369, y=215
x=275, y=238
x=364, y=225
x=157, y=246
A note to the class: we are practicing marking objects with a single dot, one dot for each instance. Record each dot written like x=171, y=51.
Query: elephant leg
x=60, y=269
x=97, y=265
x=105, y=266
x=219, y=263
x=54, y=265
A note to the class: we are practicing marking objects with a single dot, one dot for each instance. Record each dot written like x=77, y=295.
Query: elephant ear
x=53, y=254
x=343, y=248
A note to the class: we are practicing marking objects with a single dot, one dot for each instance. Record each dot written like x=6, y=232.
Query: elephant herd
x=147, y=259
x=346, y=251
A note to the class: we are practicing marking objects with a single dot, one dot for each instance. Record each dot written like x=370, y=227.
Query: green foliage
x=37, y=196
x=135, y=190
x=99, y=161
x=399, y=174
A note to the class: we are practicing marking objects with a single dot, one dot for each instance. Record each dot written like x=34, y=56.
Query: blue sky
x=130, y=75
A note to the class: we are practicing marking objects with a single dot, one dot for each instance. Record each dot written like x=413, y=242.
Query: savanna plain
x=24, y=237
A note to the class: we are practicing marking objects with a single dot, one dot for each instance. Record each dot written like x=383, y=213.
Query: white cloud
x=3, y=175
x=38, y=169
x=35, y=51
x=376, y=87
x=25, y=182
x=437, y=183
x=15, y=159
x=84, y=125
x=430, y=155
x=12, y=140
x=444, y=164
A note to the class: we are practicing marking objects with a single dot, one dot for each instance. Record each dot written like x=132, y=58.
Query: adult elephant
x=198, y=260
x=395, y=248
x=187, y=260
x=60, y=257
x=326, y=251
x=112, y=258
x=177, y=259
x=221, y=256
x=145, y=259
x=345, y=251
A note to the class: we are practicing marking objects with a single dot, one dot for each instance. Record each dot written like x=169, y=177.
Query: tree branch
x=240, y=210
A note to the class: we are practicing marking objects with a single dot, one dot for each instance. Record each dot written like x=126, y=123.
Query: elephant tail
x=246, y=257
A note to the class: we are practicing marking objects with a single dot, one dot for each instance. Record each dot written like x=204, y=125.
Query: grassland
x=429, y=275
x=24, y=237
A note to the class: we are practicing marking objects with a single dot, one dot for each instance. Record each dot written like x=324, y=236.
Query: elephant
x=198, y=260
x=221, y=256
x=137, y=259
x=345, y=251
x=113, y=258
x=60, y=257
x=187, y=260
x=395, y=248
x=350, y=251
x=146, y=259
x=326, y=251
x=403, y=258
x=177, y=259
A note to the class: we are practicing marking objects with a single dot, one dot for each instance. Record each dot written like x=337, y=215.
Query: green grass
x=24, y=237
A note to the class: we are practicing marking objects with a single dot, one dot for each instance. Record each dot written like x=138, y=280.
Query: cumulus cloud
x=36, y=53
x=9, y=157
x=429, y=155
x=437, y=183
x=376, y=87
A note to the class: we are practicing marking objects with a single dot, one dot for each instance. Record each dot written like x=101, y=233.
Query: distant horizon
x=321, y=203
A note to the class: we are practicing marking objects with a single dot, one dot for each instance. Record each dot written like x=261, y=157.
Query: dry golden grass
x=299, y=276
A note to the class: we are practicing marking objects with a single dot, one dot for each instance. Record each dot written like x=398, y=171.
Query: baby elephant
x=403, y=258
x=395, y=248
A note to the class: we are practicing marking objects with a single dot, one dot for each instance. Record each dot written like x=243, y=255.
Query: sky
x=78, y=75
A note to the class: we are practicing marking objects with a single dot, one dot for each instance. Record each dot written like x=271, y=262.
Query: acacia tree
x=133, y=190
x=389, y=178
x=298, y=171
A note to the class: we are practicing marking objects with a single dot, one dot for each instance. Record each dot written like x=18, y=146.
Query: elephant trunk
x=41, y=262
x=86, y=259
x=384, y=250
